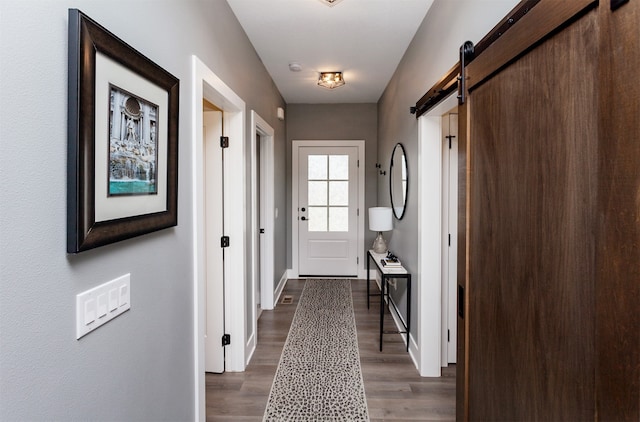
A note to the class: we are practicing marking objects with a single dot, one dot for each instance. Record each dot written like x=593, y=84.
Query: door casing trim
x=266, y=267
x=207, y=85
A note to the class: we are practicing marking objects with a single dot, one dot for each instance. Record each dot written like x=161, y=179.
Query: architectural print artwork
x=133, y=145
x=122, y=150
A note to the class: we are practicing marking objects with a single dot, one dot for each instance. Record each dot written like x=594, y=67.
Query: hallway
x=393, y=387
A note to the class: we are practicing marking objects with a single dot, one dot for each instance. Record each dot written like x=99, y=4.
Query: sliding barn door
x=618, y=256
x=532, y=157
x=550, y=162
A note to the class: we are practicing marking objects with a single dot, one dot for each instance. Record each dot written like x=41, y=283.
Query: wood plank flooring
x=394, y=389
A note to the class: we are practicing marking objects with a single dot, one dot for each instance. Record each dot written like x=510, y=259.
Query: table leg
x=383, y=282
x=368, y=290
x=408, y=310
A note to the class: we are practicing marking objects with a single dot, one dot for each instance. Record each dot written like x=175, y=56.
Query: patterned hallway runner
x=319, y=377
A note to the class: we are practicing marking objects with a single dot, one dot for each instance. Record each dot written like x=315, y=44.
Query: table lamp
x=380, y=220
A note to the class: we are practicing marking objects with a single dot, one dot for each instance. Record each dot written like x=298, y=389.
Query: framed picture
x=123, y=140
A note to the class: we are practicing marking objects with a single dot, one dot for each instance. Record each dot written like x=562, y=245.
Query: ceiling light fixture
x=330, y=3
x=331, y=79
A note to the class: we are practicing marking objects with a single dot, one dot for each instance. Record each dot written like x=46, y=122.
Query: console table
x=387, y=273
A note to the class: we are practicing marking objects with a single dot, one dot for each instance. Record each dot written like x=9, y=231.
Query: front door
x=327, y=211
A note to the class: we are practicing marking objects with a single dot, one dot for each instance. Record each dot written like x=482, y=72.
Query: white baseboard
x=250, y=348
x=280, y=287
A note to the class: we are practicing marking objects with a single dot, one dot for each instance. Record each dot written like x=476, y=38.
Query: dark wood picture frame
x=86, y=40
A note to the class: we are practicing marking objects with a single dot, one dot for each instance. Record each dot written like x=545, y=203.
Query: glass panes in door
x=328, y=193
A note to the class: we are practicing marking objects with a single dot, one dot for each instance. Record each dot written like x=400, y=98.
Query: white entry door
x=327, y=211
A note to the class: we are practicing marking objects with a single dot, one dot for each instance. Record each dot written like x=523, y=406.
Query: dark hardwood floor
x=394, y=389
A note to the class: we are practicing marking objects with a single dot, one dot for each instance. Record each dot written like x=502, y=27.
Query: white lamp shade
x=380, y=219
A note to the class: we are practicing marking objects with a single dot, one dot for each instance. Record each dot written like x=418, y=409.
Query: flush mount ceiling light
x=331, y=79
x=330, y=3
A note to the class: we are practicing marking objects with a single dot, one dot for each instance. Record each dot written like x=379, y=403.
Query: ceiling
x=365, y=39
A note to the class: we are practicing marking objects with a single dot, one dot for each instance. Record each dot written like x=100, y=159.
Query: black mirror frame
x=404, y=204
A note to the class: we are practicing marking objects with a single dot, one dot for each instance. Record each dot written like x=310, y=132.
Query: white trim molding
x=429, y=245
x=266, y=132
x=262, y=245
x=429, y=283
x=206, y=85
x=280, y=287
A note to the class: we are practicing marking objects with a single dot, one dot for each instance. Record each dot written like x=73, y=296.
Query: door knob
x=303, y=218
x=303, y=209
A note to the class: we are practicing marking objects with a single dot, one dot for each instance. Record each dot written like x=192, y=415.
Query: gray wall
x=432, y=52
x=140, y=365
x=335, y=122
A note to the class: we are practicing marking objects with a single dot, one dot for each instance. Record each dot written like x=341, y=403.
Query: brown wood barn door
x=532, y=144
x=618, y=255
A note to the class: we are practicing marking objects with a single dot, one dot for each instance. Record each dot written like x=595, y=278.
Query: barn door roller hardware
x=617, y=3
x=466, y=54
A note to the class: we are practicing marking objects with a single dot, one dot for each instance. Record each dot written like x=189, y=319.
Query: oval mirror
x=398, y=179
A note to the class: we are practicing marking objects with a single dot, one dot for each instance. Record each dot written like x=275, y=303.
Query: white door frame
x=429, y=285
x=295, y=145
x=206, y=85
x=266, y=253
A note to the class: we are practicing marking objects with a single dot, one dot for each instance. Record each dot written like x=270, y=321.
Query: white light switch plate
x=96, y=306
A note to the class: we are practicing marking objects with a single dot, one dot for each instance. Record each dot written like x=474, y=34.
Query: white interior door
x=449, y=236
x=327, y=211
x=214, y=266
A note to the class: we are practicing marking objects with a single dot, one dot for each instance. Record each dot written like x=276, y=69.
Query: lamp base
x=379, y=245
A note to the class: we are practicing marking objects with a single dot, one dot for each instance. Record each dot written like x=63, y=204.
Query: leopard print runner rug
x=319, y=376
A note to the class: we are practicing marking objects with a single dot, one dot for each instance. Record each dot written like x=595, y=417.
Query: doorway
x=213, y=169
x=207, y=86
x=433, y=294
x=327, y=206
x=261, y=287
x=449, y=236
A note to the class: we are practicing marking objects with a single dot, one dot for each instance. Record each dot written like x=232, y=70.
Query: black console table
x=387, y=273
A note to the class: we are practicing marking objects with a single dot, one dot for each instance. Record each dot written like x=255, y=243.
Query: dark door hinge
x=450, y=137
x=449, y=240
x=226, y=339
x=224, y=242
x=224, y=142
x=448, y=335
